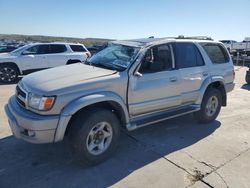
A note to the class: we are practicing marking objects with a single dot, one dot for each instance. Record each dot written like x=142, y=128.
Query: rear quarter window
x=216, y=53
x=57, y=48
x=77, y=48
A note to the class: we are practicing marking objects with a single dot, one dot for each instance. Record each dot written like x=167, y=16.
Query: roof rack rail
x=194, y=37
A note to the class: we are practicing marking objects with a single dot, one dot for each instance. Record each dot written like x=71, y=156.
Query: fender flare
x=205, y=85
x=85, y=101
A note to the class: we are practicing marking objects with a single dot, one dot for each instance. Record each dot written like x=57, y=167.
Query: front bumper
x=29, y=126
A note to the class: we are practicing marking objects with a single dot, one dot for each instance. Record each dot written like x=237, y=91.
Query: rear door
x=192, y=68
x=34, y=58
x=58, y=55
x=155, y=86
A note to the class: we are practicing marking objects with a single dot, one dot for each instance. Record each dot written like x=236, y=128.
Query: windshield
x=115, y=57
x=19, y=50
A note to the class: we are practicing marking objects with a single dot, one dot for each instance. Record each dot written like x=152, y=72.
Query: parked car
x=238, y=47
x=129, y=84
x=7, y=49
x=39, y=56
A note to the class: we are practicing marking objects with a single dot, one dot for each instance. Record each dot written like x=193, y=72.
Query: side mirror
x=137, y=74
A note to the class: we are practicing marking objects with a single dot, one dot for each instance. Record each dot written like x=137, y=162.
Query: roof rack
x=194, y=37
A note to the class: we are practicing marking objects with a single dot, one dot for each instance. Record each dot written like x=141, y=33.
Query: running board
x=145, y=120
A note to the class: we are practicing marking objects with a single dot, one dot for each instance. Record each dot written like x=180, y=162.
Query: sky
x=127, y=19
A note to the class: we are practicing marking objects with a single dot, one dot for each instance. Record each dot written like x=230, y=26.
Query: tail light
x=88, y=54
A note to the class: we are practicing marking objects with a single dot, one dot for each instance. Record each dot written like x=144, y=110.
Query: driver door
x=156, y=85
x=34, y=58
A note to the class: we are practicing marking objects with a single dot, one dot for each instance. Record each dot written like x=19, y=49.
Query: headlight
x=40, y=102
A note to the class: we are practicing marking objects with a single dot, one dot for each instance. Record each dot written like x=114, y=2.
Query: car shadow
x=51, y=165
x=246, y=87
x=18, y=79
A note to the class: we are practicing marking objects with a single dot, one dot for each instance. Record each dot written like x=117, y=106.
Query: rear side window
x=187, y=55
x=77, y=48
x=216, y=53
x=57, y=48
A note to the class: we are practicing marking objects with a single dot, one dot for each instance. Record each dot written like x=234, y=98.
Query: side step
x=145, y=120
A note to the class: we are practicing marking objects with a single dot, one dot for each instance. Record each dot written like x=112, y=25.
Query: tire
x=86, y=124
x=8, y=74
x=247, y=78
x=209, y=113
x=73, y=61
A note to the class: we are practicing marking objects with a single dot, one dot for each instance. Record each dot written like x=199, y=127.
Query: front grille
x=20, y=92
x=20, y=101
x=20, y=96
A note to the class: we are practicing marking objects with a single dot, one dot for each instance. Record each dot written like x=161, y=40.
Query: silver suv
x=129, y=84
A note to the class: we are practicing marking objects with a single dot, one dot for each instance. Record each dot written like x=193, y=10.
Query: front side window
x=157, y=59
x=37, y=50
x=187, y=55
x=115, y=56
x=57, y=48
x=216, y=53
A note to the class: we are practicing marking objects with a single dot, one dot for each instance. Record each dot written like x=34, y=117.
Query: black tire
x=8, y=73
x=73, y=61
x=202, y=115
x=80, y=128
x=247, y=78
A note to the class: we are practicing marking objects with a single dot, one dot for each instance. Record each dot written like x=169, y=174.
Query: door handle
x=173, y=79
x=205, y=74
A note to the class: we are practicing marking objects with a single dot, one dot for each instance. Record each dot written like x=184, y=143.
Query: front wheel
x=94, y=136
x=210, y=107
x=8, y=74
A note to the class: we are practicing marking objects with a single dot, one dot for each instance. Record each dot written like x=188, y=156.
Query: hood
x=63, y=77
x=4, y=56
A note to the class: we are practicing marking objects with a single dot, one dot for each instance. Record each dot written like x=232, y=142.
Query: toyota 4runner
x=129, y=84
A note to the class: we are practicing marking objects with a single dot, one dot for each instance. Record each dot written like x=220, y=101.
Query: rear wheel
x=210, y=107
x=94, y=135
x=8, y=73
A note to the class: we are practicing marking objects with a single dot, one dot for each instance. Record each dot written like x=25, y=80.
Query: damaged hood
x=64, y=77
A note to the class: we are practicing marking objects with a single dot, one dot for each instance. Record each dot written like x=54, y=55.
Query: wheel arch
x=217, y=83
x=103, y=100
x=12, y=64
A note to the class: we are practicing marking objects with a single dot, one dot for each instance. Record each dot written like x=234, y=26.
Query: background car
x=6, y=49
x=39, y=56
